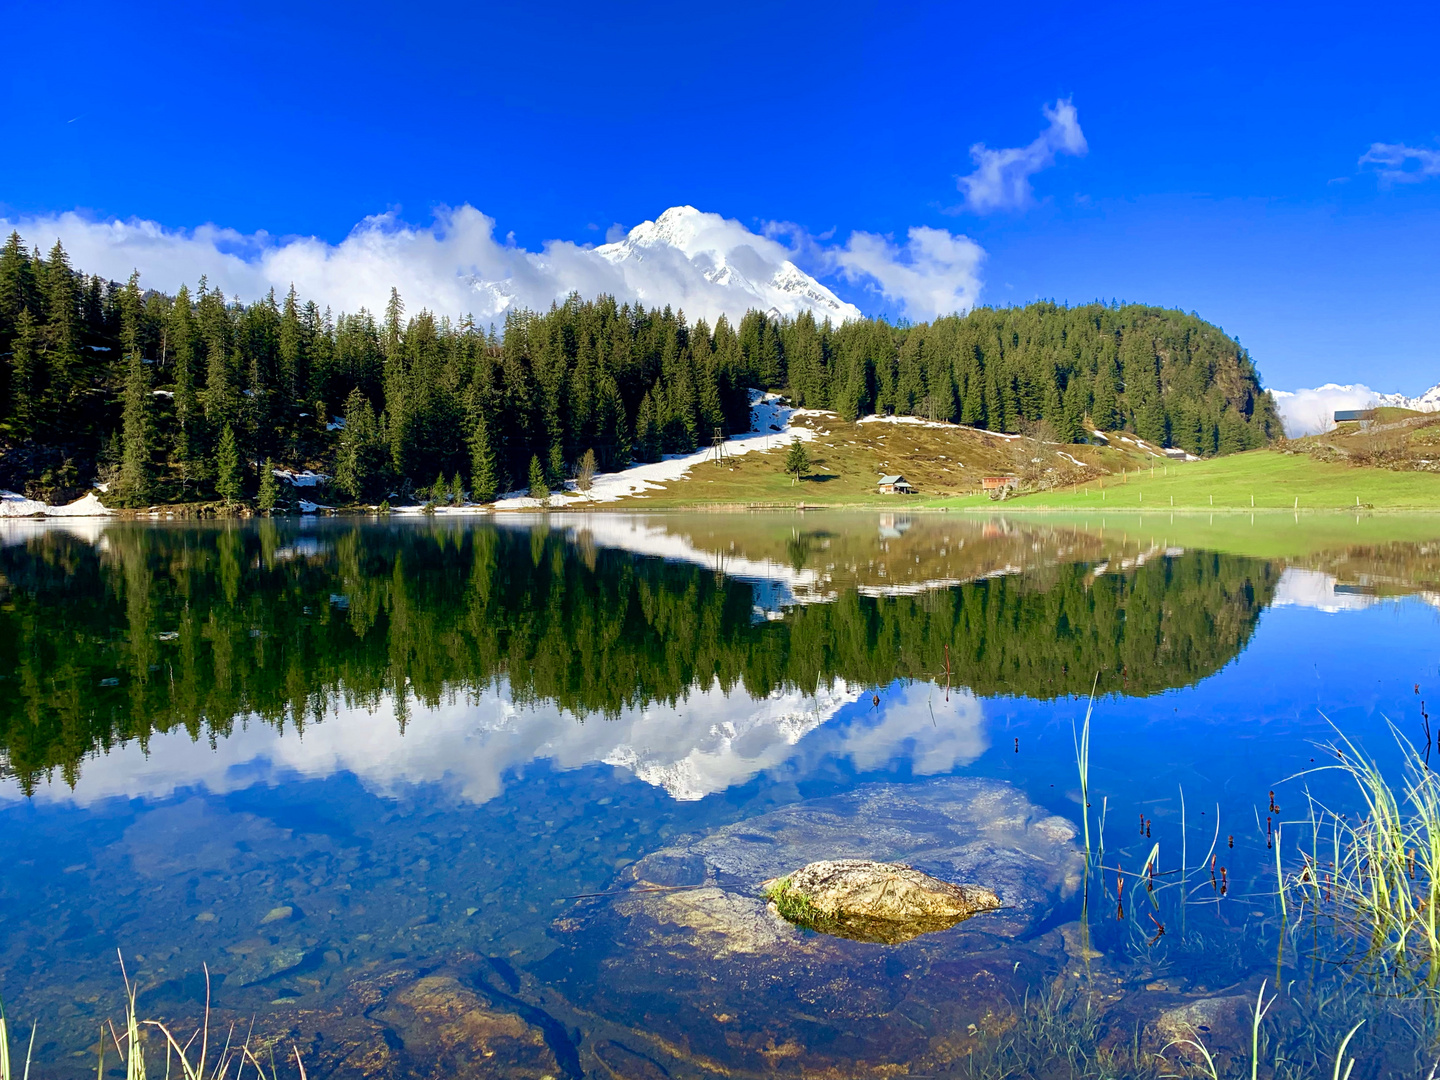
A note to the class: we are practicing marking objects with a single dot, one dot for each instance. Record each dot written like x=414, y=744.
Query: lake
x=494, y=797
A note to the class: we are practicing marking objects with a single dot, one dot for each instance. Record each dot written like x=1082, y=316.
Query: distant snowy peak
x=1429, y=401
x=743, y=269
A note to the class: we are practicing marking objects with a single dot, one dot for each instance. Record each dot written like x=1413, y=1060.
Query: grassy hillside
x=946, y=464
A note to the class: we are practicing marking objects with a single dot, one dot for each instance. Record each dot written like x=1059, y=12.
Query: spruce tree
x=538, y=488
x=797, y=461
x=647, y=431
x=62, y=338
x=136, y=430
x=269, y=493
x=484, y=485
x=363, y=450
x=457, y=490
x=24, y=363
x=229, y=483
x=557, y=465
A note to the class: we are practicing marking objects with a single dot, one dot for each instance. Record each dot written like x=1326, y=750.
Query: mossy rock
x=880, y=902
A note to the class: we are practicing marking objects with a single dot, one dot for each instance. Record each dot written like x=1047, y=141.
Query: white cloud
x=701, y=262
x=935, y=273
x=1001, y=179
x=1400, y=164
x=1306, y=412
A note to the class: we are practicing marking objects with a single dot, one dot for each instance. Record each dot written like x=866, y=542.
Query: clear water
x=373, y=775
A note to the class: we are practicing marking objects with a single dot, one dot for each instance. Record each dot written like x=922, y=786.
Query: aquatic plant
x=1082, y=763
x=130, y=1045
x=1383, y=885
x=6, y=1073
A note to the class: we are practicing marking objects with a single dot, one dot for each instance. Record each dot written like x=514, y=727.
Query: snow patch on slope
x=769, y=430
x=13, y=505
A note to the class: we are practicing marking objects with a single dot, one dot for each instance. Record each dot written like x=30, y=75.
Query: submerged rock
x=955, y=828
x=886, y=903
x=260, y=966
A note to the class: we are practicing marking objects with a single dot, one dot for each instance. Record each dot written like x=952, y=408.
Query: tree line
x=196, y=395
x=198, y=628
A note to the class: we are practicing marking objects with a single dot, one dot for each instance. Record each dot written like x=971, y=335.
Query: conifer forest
x=196, y=396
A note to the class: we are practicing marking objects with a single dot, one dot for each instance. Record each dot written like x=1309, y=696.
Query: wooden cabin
x=999, y=483
x=895, y=485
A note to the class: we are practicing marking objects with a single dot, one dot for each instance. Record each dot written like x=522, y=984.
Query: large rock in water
x=886, y=903
x=688, y=965
x=955, y=828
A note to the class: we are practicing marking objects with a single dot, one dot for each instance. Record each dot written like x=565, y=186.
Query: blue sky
x=1221, y=169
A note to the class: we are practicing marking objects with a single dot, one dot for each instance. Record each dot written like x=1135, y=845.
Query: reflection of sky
x=703, y=744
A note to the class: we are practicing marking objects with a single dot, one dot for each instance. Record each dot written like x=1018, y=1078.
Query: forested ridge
x=198, y=627
x=173, y=398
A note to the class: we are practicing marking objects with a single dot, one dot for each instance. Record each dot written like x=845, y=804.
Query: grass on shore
x=1257, y=480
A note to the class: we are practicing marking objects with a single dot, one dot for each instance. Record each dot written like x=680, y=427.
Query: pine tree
x=62, y=337
x=556, y=473
x=363, y=449
x=180, y=333
x=538, y=488
x=136, y=426
x=797, y=461
x=269, y=493
x=457, y=490
x=229, y=483
x=647, y=431
x=24, y=364
x=484, y=485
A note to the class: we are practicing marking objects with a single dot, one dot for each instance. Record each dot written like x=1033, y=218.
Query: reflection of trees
x=156, y=629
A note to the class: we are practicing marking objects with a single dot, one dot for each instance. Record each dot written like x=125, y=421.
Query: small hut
x=999, y=483
x=895, y=485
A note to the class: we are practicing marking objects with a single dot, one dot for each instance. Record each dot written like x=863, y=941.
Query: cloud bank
x=1001, y=180
x=701, y=262
x=1307, y=412
x=1397, y=163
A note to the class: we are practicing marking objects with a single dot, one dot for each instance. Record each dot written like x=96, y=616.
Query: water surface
x=375, y=773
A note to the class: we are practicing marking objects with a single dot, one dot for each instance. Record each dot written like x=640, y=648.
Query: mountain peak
x=739, y=269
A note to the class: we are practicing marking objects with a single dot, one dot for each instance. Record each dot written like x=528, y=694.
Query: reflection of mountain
x=157, y=629
x=704, y=743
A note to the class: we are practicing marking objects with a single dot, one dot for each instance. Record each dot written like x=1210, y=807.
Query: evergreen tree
x=457, y=490
x=797, y=461
x=24, y=364
x=538, y=488
x=484, y=485
x=269, y=493
x=136, y=424
x=363, y=450
x=64, y=378
x=229, y=481
x=647, y=431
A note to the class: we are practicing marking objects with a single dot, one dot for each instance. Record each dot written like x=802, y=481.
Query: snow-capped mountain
x=729, y=268
x=1429, y=401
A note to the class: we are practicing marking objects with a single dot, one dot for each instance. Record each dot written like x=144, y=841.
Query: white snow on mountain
x=707, y=261
x=1306, y=412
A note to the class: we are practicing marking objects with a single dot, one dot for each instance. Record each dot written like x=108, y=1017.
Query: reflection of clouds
x=914, y=722
x=704, y=743
x=1324, y=592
